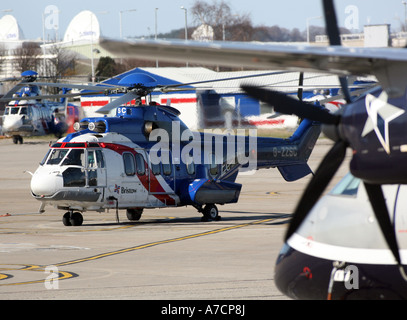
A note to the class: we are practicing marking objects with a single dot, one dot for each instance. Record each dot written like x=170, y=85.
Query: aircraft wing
x=389, y=65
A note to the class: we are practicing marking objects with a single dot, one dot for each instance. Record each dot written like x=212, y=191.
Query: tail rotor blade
x=379, y=206
x=317, y=185
x=284, y=104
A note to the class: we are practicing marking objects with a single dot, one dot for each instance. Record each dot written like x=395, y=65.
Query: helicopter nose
x=46, y=182
x=12, y=123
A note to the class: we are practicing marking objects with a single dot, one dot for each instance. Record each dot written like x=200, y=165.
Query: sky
x=287, y=13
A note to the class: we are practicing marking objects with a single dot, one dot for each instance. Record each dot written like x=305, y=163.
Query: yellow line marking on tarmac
x=4, y=276
x=66, y=275
x=151, y=244
x=62, y=275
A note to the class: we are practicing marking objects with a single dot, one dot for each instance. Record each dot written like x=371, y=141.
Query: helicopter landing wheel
x=72, y=219
x=66, y=219
x=134, y=214
x=210, y=212
x=17, y=139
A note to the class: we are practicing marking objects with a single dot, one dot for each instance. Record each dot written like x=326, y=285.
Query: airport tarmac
x=168, y=255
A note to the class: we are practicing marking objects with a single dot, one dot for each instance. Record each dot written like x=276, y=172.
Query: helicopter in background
x=27, y=114
x=146, y=157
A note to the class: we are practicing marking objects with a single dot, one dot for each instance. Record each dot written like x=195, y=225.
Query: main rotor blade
x=118, y=102
x=75, y=86
x=317, y=185
x=53, y=96
x=378, y=202
x=284, y=104
x=165, y=87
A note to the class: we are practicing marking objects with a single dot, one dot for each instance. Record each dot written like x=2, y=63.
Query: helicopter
x=372, y=125
x=146, y=157
x=26, y=114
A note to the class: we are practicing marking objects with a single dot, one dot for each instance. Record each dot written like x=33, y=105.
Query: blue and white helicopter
x=146, y=157
x=28, y=114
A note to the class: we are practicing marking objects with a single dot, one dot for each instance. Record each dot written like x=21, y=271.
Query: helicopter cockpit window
x=99, y=159
x=348, y=186
x=75, y=157
x=12, y=110
x=56, y=156
x=45, y=158
x=95, y=159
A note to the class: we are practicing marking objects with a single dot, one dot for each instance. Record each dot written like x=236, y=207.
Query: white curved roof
x=84, y=26
x=9, y=29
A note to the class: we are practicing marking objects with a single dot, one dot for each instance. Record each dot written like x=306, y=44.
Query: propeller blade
x=331, y=23
x=378, y=202
x=284, y=104
x=118, y=102
x=326, y=170
x=300, y=86
x=345, y=89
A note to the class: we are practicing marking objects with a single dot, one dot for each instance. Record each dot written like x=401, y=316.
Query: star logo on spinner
x=380, y=114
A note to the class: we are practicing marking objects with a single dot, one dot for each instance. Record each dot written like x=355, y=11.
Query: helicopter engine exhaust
x=149, y=126
x=98, y=126
x=78, y=126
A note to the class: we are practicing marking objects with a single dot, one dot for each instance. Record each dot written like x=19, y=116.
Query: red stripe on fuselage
x=154, y=185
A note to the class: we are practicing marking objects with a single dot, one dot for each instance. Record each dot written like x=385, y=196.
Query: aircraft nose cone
x=12, y=123
x=46, y=183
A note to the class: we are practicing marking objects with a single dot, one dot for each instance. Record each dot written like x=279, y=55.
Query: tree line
x=225, y=23
x=233, y=26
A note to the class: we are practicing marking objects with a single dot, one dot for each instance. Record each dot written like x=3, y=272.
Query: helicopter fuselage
x=31, y=118
x=92, y=173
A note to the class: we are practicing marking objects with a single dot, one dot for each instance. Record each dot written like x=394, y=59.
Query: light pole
x=6, y=10
x=308, y=20
x=91, y=43
x=186, y=26
x=405, y=15
x=186, y=22
x=120, y=20
x=156, y=9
